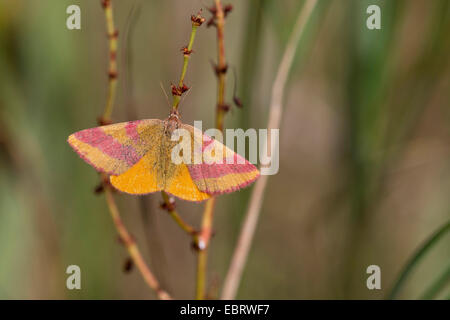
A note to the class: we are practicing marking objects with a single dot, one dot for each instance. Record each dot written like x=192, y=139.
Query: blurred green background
x=364, y=146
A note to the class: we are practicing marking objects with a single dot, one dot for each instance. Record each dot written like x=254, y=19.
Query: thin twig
x=239, y=259
x=113, y=34
x=125, y=236
x=169, y=205
x=177, y=92
x=202, y=246
x=132, y=248
x=221, y=68
x=221, y=109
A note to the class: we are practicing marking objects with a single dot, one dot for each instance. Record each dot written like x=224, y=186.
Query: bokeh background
x=364, y=146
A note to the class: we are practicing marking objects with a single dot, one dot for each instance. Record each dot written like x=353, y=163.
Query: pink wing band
x=207, y=142
x=131, y=130
x=240, y=186
x=97, y=138
x=219, y=178
x=205, y=171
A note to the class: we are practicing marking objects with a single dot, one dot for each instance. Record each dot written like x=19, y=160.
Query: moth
x=137, y=156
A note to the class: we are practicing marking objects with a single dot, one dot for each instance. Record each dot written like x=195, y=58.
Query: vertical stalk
x=239, y=259
x=113, y=34
x=207, y=220
x=202, y=245
x=187, y=53
x=221, y=66
x=178, y=91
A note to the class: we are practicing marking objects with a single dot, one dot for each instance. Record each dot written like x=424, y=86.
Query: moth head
x=173, y=122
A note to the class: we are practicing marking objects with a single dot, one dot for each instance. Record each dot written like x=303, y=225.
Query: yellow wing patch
x=139, y=179
x=182, y=185
x=142, y=178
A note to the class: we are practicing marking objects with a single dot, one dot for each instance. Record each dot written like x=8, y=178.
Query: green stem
x=201, y=276
x=437, y=285
x=416, y=258
x=174, y=214
x=187, y=55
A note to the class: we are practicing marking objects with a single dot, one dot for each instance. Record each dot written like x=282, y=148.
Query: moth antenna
x=165, y=93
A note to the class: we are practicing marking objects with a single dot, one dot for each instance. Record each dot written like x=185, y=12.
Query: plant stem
x=187, y=51
x=125, y=236
x=132, y=248
x=239, y=259
x=416, y=258
x=187, y=56
x=112, y=69
x=208, y=213
x=174, y=214
x=202, y=246
x=221, y=66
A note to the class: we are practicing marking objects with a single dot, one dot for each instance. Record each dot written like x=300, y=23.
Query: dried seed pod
x=197, y=20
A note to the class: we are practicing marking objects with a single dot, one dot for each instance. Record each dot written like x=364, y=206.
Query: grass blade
x=420, y=253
